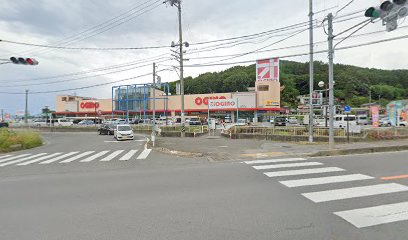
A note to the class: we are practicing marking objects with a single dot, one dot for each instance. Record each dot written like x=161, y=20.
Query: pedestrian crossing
x=70, y=157
x=302, y=172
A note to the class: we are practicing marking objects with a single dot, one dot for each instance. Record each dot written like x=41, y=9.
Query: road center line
x=394, y=177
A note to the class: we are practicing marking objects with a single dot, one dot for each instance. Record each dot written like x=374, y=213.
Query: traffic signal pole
x=26, y=108
x=311, y=115
x=331, y=79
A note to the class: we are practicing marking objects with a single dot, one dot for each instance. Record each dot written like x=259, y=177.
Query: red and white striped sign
x=267, y=70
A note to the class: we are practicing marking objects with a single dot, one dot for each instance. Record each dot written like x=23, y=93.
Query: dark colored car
x=280, y=121
x=137, y=121
x=106, y=129
x=3, y=124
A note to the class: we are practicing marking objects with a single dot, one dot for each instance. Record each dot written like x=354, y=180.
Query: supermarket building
x=136, y=101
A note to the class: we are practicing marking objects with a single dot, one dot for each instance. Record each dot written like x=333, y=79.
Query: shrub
x=25, y=140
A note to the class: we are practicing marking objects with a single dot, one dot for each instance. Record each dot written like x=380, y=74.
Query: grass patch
x=12, y=141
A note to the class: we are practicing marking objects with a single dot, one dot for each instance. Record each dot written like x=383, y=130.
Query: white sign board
x=222, y=104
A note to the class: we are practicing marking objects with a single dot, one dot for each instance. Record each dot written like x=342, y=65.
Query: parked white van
x=62, y=122
x=340, y=121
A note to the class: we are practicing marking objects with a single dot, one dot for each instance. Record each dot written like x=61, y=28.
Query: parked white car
x=123, y=132
x=62, y=122
x=340, y=121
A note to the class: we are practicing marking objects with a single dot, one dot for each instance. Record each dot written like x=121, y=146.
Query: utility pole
x=26, y=108
x=331, y=80
x=2, y=115
x=311, y=115
x=183, y=120
x=154, y=102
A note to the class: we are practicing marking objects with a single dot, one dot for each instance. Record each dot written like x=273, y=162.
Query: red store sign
x=89, y=105
x=200, y=101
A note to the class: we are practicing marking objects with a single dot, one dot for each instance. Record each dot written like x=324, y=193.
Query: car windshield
x=124, y=128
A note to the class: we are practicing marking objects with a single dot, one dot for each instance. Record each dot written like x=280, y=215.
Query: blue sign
x=347, y=108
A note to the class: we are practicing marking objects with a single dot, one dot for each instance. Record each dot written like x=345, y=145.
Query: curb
x=358, y=151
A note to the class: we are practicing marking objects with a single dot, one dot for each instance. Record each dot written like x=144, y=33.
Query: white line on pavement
x=325, y=180
x=22, y=159
x=303, y=171
x=77, y=157
x=38, y=159
x=346, y=193
x=371, y=216
x=144, y=154
x=58, y=158
x=93, y=157
x=111, y=156
x=12, y=158
x=275, y=160
x=128, y=155
x=5, y=156
x=287, y=165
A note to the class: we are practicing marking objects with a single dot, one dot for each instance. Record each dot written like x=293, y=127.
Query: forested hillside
x=352, y=84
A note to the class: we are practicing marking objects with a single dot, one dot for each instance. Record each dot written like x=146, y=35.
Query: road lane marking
x=5, y=156
x=111, y=156
x=303, y=171
x=325, y=180
x=346, y=193
x=39, y=159
x=394, y=177
x=128, y=155
x=93, y=157
x=371, y=216
x=12, y=158
x=58, y=158
x=275, y=160
x=77, y=157
x=287, y=165
x=22, y=159
x=144, y=154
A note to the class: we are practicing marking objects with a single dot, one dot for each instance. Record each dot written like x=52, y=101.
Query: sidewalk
x=219, y=148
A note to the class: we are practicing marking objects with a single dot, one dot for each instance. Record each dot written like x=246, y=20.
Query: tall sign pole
x=331, y=81
x=311, y=115
x=26, y=108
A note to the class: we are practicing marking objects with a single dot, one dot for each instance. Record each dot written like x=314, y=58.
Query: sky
x=150, y=23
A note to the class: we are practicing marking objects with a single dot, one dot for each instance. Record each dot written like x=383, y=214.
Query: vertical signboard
x=267, y=70
x=375, y=116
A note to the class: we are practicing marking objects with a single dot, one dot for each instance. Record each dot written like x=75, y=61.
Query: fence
x=320, y=134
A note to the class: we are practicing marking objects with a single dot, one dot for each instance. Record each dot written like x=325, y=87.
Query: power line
x=98, y=26
x=113, y=24
x=84, y=87
x=155, y=58
x=79, y=78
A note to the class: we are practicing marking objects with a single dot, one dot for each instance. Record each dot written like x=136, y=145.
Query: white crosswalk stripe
x=275, y=160
x=371, y=216
x=287, y=165
x=38, y=159
x=325, y=180
x=71, y=159
x=4, y=156
x=112, y=156
x=303, y=171
x=144, y=154
x=362, y=217
x=22, y=159
x=346, y=193
x=93, y=157
x=14, y=157
x=128, y=155
x=58, y=158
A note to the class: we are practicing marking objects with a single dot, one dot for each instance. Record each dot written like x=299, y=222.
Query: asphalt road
x=167, y=197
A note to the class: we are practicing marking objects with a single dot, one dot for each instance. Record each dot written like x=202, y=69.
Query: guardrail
x=291, y=131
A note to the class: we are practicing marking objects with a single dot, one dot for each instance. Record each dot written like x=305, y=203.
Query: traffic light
x=389, y=12
x=24, y=61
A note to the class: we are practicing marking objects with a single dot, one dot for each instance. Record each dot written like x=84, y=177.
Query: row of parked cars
x=118, y=129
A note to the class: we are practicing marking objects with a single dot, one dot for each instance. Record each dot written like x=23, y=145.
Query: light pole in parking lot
x=95, y=102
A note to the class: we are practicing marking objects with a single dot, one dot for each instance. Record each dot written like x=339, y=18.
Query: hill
x=352, y=84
